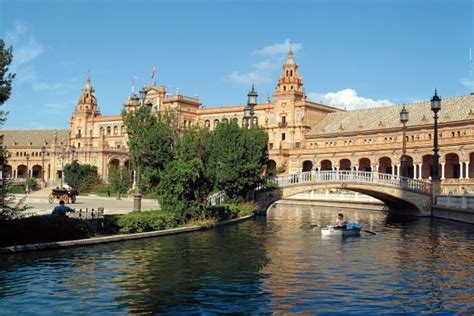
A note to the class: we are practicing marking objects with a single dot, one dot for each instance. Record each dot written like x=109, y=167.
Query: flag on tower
x=133, y=85
x=153, y=74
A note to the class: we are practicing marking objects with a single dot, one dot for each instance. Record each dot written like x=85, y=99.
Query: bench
x=87, y=214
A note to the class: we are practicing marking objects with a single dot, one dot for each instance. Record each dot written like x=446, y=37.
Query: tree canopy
x=151, y=142
x=237, y=158
x=81, y=177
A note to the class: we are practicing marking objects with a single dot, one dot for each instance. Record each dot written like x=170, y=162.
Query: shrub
x=36, y=229
x=242, y=209
x=17, y=189
x=31, y=183
x=139, y=222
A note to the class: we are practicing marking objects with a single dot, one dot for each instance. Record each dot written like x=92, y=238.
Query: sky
x=351, y=54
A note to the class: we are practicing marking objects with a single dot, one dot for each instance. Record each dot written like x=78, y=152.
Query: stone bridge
x=398, y=193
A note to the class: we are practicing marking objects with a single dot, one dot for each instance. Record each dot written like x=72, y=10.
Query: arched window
x=122, y=129
x=101, y=131
x=216, y=122
x=109, y=130
x=115, y=130
x=207, y=123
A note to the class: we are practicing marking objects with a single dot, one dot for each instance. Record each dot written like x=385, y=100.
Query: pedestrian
x=61, y=210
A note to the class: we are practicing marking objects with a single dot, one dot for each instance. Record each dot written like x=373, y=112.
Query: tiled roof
x=452, y=109
x=37, y=137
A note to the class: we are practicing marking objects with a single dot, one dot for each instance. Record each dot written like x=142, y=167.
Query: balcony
x=282, y=124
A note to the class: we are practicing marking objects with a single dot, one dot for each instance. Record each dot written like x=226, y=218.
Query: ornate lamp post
x=27, y=172
x=249, y=109
x=435, y=176
x=73, y=151
x=43, y=152
x=404, y=158
x=137, y=196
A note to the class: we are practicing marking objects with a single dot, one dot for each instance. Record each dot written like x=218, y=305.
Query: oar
x=368, y=231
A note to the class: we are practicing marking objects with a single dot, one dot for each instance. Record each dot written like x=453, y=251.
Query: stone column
x=467, y=169
x=442, y=170
x=461, y=170
x=398, y=169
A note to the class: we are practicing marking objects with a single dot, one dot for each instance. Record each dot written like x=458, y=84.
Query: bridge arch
x=403, y=202
x=399, y=193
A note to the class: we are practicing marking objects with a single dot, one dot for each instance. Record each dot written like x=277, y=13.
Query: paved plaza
x=39, y=203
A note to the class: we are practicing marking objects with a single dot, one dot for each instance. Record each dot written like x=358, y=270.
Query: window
x=207, y=123
x=115, y=130
x=270, y=146
x=297, y=145
x=109, y=130
x=283, y=136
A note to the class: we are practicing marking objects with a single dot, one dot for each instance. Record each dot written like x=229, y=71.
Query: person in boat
x=340, y=222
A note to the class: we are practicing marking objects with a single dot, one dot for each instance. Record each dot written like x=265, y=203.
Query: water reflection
x=279, y=263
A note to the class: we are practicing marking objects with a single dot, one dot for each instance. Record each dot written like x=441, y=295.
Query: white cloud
x=468, y=84
x=25, y=46
x=54, y=87
x=278, y=49
x=347, y=99
x=262, y=72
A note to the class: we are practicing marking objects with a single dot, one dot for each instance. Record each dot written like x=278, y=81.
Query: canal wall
x=374, y=206
x=455, y=207
x=460, y=215
x=115, y=238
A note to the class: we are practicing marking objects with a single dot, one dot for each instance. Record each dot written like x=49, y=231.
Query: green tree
x=237, y=158
x=151, y=141
x=184, y=185
x=9, y=207
x=82, y=177
x=119, y=179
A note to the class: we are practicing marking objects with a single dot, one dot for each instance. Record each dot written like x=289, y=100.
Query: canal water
x=274, y=264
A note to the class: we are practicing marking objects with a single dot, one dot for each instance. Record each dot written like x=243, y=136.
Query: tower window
x=291, y=73
x=283, y=136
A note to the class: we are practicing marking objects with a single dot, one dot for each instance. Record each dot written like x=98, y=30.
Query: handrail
x=352, y=176
x=216, y=198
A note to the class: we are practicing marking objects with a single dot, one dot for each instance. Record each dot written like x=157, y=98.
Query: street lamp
x=27, y=172
x=73, y=151
x=43, y=152
x=137, y=196
x=404, y=158
x=435, y=107
x=249, y=109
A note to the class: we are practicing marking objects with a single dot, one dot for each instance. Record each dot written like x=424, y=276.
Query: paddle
x=368, y=231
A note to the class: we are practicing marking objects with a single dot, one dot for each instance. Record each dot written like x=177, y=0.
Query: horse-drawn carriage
x=63, y=195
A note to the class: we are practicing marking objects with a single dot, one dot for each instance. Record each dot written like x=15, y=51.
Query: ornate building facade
x=303, y=135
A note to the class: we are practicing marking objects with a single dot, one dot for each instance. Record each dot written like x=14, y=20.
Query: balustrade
x=351, y=176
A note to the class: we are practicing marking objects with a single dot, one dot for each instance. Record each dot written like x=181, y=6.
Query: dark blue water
x=277, y=264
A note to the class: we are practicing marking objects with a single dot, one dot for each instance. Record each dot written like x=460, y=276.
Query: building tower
x=82, y=120
x=290, y=83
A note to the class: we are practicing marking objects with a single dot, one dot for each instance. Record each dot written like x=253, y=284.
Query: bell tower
x=83, y=118
x=290, y=83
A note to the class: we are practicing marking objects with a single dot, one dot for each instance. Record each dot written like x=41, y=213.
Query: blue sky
x=352, y=54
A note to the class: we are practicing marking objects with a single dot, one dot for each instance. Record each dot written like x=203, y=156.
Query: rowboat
x=350, y=230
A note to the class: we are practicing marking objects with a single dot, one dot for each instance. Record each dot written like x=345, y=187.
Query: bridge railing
x=351, y=176
x=216, y=199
